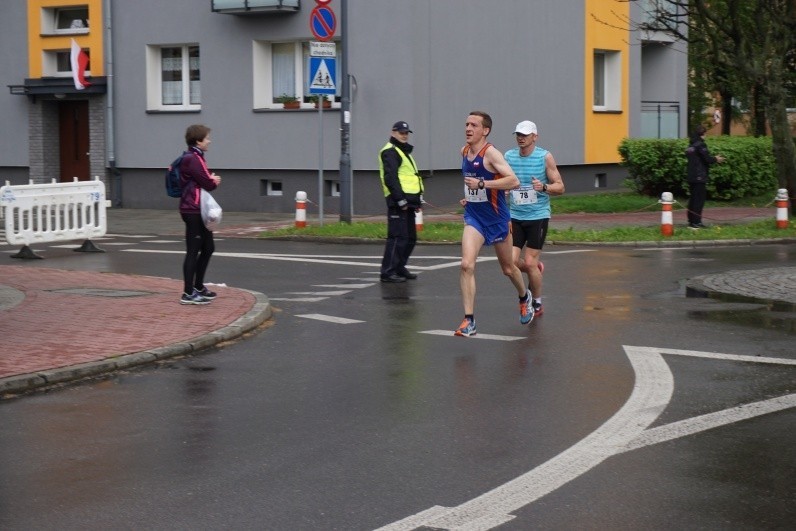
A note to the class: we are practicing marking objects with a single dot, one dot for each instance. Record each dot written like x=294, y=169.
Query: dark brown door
x=73, y=128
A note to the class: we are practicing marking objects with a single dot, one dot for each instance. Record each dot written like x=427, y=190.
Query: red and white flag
x=79, y=62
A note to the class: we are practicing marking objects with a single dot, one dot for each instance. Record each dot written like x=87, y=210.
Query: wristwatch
x=480, y=183
x=544, y=187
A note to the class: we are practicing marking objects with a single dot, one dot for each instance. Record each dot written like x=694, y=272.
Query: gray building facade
x=166, y=65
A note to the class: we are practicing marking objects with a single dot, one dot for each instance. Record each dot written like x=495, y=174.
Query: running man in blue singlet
x=487, y=176
x=530, y=204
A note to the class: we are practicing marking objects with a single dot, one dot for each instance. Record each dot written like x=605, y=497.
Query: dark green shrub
x=659, y=165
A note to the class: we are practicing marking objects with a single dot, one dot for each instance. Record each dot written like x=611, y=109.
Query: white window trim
x=262, y=82
x=154, y=75
x=49, y=18
x=49, y=64
x=612, y=79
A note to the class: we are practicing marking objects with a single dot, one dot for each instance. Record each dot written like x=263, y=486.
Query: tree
x=756, y=40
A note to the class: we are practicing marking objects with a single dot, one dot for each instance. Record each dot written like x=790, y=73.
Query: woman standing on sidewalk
x=699, y=161
x=199, y=245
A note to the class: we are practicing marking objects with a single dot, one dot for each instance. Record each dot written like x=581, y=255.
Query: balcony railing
x=660, y=119
x=254, y=7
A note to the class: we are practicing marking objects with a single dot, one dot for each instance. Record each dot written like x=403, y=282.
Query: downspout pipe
x=110, y=140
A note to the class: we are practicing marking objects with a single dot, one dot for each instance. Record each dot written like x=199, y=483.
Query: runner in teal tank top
x=530, y=204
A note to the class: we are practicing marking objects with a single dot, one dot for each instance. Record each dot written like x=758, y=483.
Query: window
x=64, y=20
x=284, y=68
x=59, y=64
x=270, y=188
x=173, y=77
x=607, y=81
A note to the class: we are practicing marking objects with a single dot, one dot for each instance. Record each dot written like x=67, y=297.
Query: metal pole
x=321, y=97
x=346, y=185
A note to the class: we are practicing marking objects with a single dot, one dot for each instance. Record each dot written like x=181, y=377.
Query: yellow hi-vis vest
x=411, y=182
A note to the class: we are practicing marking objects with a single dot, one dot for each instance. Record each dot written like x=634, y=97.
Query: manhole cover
x=10, y=297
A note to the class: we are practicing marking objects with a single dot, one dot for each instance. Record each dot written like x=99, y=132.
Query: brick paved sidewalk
x=58, y=325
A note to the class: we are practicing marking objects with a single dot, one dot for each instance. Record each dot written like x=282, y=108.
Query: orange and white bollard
x=667, y=225
x=782, y=208
x=301, y=210
x=419, y=219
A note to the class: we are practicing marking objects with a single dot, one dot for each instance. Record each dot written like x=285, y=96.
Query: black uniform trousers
x=401, y=239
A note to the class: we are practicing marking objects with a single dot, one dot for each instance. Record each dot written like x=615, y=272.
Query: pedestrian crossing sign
x=322, y=75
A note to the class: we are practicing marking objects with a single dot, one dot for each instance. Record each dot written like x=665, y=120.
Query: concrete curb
x=22, y=383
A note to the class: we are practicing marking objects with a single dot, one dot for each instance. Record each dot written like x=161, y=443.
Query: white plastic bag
x=211, y=211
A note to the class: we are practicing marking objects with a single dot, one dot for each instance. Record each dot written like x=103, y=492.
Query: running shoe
x=466, y=329
x=193, y=298
x=526, y=310
x=537, y=309
x=207, y=294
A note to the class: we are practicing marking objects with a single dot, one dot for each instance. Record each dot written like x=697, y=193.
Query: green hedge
x=659, y=165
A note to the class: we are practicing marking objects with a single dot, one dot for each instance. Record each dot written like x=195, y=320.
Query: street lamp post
x=346, y=184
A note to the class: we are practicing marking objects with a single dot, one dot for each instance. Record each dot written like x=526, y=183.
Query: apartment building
x=574, y=67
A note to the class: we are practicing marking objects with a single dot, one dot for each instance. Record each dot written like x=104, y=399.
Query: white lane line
x=651, y=393
x=477, y=336
x=716, y=355
x=327, y=293
x=353, y=286
x=709, y=421
x=329, y=318
x=298, y=299
x=261, y=256
x=455, y=262
x=162, y=241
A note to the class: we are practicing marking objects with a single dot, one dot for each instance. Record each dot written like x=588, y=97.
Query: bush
x=659, y=165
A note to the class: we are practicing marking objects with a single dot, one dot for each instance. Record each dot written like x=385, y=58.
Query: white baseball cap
x=526, y=128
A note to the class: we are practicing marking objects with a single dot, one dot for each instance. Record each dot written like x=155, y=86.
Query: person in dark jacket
x=199, y=245
x=403, y=191
x=699, y=161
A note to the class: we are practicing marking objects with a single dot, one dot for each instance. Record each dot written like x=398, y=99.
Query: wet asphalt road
x=315, y=424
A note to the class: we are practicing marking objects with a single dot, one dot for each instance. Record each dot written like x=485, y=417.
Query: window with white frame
x=173, y=78
x=59, y=63
x=64, y=20
x=283, y=68
x=607, y=81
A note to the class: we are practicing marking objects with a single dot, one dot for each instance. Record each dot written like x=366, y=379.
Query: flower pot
x=291, y=104
x=326, y=104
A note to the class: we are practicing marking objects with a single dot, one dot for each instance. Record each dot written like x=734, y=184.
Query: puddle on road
x=731, y=309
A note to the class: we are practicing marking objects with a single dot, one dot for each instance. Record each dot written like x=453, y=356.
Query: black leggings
x=199, y=247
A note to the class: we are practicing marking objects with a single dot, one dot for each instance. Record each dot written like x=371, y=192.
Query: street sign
x=322, y=2
x=323, y=49
x=323, y=23
x=322, y=75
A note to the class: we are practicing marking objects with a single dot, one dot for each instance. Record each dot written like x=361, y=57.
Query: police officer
x=403, y=191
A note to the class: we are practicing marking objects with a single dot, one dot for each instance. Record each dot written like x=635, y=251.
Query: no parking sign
x=323, y=23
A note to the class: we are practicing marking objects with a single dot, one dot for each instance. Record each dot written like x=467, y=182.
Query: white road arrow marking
x=624, y=431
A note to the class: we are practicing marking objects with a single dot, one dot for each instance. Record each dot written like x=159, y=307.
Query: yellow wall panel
x=39, y=43
x=606, y=30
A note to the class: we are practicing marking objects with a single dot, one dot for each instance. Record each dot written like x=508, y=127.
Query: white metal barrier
x=37, y=213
